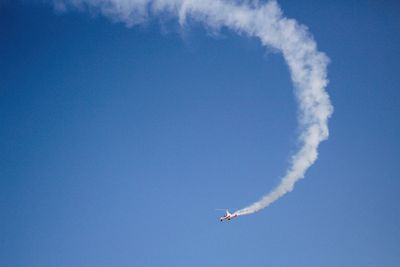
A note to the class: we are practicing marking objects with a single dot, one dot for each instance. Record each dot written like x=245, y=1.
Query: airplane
x=228, y=216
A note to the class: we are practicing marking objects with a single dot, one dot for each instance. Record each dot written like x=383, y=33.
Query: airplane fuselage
x=228, y=216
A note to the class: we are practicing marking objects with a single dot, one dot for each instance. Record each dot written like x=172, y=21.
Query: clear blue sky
x=117, y=144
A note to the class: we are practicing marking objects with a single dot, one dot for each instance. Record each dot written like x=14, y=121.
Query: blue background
x=117, y=144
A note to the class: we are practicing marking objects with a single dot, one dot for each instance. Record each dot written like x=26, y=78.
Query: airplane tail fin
x=226, y=210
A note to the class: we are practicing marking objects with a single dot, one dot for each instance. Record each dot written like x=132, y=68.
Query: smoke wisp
x=308, y=66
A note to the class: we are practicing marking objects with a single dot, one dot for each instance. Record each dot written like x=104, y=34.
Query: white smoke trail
x=307, y=65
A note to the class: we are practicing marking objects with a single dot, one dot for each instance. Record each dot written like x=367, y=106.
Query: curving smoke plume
x=307, y=65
